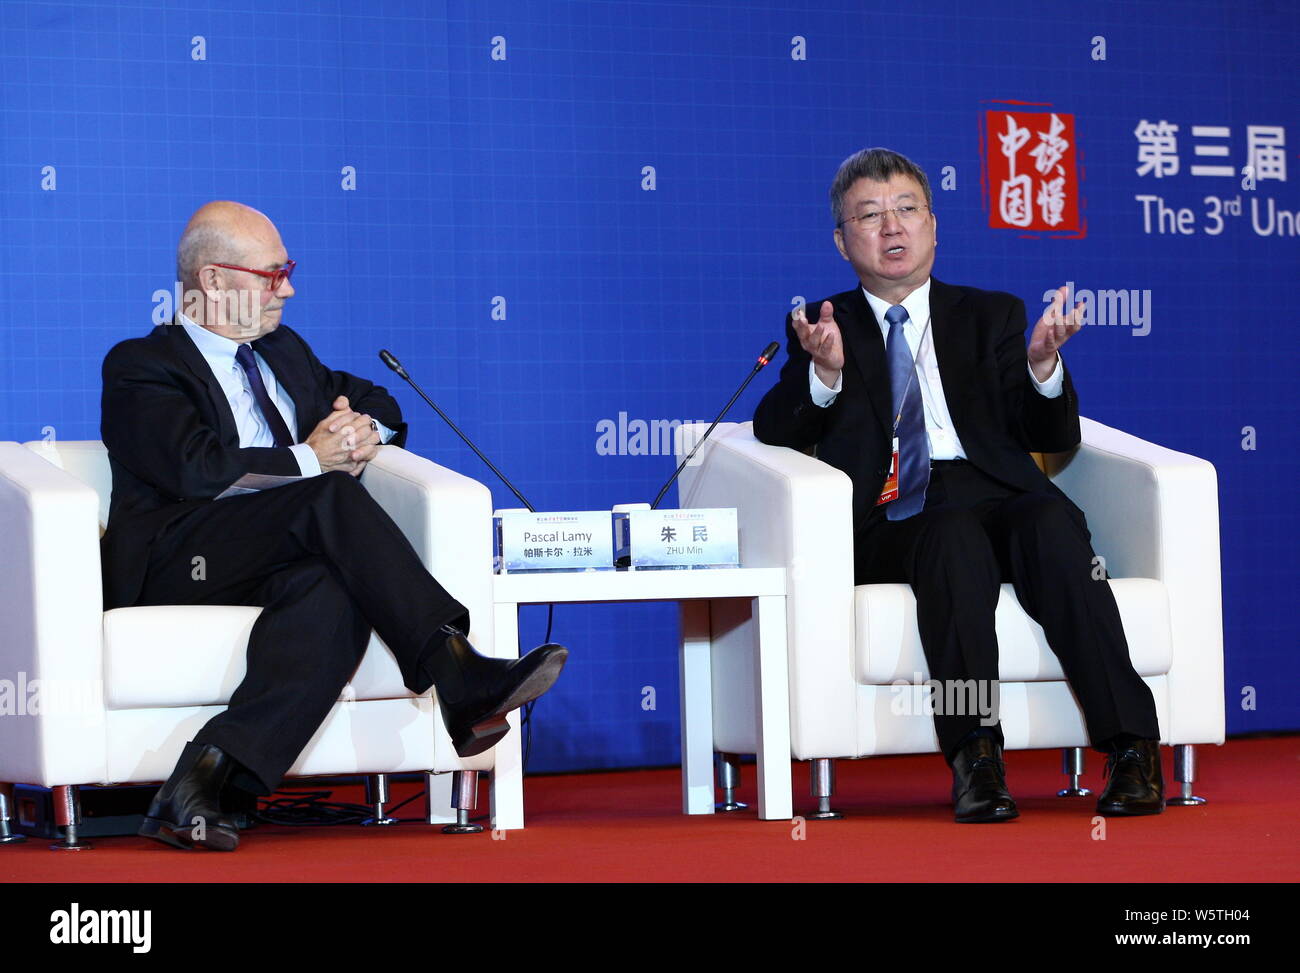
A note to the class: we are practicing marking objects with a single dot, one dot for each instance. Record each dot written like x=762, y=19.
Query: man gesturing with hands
x=821, y=338
x=224, y=391
x=927, y=396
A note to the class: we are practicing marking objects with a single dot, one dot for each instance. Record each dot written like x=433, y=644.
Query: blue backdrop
x=556, y=213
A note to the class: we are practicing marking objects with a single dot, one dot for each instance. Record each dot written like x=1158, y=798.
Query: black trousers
x=975, y=533
x=327, y=565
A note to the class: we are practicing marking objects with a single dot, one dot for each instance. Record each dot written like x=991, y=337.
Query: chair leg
x=464, y=798
x=821, y=780
x=1185, y=775
x=377, y=798
x=729, y=780
x=437, y=798
x=67, y=815
x=7, y=834
x=1072, y=767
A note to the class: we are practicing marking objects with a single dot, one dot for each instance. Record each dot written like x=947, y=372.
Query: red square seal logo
x=1031, y=164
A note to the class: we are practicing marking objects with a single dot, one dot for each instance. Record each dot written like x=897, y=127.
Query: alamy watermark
x=75, y=926
x=53, y=697
x=241, y=307
x=645, y=437
x=1109, y=308
x=947, y=697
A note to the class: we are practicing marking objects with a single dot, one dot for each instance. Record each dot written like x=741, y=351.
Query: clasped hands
x=344, y=440
x=821, y=339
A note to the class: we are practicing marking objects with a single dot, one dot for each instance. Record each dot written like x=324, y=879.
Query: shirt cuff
x=308, y=464
x=821, y=395
x=1055, y=383
x=385, y=434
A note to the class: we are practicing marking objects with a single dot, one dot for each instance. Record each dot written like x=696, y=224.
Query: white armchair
x=106, y=713
x=855, y=656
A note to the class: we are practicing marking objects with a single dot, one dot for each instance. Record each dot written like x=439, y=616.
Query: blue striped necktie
x=913, y=443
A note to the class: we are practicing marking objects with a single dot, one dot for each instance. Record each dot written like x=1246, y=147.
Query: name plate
x=578, y=540
x=703, y=537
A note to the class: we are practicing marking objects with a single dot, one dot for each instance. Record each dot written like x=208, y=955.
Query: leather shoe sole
x=990, y=817
x=214, y=838
x=474, y=736
x=1122, y=810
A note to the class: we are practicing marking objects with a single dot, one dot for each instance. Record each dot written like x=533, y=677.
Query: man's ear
x=208, y=278
x=839, y=243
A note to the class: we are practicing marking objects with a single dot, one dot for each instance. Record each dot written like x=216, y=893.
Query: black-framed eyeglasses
x=274, y=278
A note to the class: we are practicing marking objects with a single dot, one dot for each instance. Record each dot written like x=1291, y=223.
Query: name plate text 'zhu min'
x=703, y=537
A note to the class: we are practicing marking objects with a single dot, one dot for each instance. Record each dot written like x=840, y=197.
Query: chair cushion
x=889, y=646
x=194, y=655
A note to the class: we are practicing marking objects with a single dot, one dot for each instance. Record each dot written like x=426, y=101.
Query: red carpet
x=897, y=828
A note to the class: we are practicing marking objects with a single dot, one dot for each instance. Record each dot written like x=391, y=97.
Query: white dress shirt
x=944, y=441
x=219, y=352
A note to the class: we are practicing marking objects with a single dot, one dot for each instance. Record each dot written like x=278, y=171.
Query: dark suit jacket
x=172, y=442
x=979, y=339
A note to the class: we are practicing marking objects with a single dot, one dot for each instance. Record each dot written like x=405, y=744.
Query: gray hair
x=204, y=243
x=878, y=165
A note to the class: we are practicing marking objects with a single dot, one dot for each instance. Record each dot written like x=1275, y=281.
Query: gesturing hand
x=1052, y=330
x=822, y=341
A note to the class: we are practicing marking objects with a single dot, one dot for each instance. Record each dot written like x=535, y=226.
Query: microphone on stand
x=763, y=359
x=389, y=359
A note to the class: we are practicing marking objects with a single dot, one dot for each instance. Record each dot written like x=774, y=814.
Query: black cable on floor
x=526, y=721
x=309, y=809
x=315, y=809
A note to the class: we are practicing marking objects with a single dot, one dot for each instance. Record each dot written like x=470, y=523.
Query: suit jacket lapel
x=189, y=353
x=294, y=379
x=954, y=335
x=865, y=349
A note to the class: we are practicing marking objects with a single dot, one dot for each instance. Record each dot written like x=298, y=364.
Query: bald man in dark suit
x=227, y=390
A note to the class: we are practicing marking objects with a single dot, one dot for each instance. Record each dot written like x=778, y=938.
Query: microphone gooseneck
x=389, y=359
x=763, y=359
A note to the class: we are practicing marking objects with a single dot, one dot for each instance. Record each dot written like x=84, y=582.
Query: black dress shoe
x=475, y=692
x=1136, y=783
x=186, y=811
x=979, y=786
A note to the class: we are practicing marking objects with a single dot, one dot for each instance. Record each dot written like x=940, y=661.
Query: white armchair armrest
x=793, y=512
x=1154, y=513
x=52, y=606
x=448, y=519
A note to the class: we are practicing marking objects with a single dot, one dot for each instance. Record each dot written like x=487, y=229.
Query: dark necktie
x=913, y=443
x=274, y=421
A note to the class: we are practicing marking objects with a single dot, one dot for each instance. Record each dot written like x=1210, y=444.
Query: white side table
x=764, y=587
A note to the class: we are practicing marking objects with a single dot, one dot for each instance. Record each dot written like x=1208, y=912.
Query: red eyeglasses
x=274, y=277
